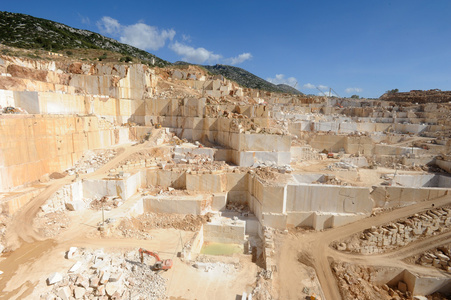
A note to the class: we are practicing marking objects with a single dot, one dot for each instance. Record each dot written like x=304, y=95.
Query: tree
x=104, y=56
x=355, y=97
x=126, y=59
x=394, y=91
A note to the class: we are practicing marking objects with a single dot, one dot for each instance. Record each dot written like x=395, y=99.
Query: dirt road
x=27, y=244
x=23, y=219
x=313, y=248
x=26, y=268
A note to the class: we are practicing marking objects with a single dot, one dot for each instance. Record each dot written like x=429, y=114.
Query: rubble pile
x=208, y=264
x=341, y=165
x=107, y=203
x=191, y=158
x=4, y=222
x=269, y=175
x=151, y=158
x=166, y=191
x=91, y=161
x=438, y=258
x=332, y=180
x=238, y=207
x=263, y=289
x=12, y=110
x=97, y=275
x=215, y=167
x=269, y=252
x=51, y=224
x=62, y=200
x=399, y=233
x=355, y=282
x=136, y=227
x=268, y=164
x=419, y=96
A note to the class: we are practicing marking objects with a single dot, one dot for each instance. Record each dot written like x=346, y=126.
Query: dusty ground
x=39, y=246
x=312, y=249
x=306, y=262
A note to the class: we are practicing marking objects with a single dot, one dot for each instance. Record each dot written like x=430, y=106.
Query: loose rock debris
x=99, y=275
x=136, y=227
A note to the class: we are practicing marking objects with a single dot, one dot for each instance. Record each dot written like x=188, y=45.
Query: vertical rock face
x=42, y=87
x=123, y=82
x=116, y=81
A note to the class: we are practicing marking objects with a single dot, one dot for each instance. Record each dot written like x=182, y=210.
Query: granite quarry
x=252, y=194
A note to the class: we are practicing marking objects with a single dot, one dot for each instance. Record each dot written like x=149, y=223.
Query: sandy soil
x=34, y=258
x=313, y=249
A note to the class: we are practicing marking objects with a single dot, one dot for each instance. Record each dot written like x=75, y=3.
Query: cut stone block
x=100, y=290
x=79, y=292
x=54, y=278
x=94, y=281
x=75, y=267
x=105, y=278
x=71, y=253
x=111, y=288
x=115, y=277
x=64, y=293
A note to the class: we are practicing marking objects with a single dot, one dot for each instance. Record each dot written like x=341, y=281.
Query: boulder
x=111, y=288
x=64, y=293
x=79, y=292
x=75, y=267
x=71, y=253
x=54, y=278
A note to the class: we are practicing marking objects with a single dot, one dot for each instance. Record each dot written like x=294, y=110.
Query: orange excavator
x=159, y=264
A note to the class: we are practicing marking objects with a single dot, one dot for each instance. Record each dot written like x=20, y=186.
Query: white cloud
x=238, y=59
x=353, y=90
x=139, y=35
x=186, y=38
x=194, y=55
x=109, y=25
x=84, y=20
x=308, y=86
x=144, y=36
x=201, y=55
x=280, y=79
x=323, y=87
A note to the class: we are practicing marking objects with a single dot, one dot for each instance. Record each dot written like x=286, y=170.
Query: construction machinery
x=159, y=264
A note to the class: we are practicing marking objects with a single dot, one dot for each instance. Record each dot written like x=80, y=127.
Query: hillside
x=418, y=96
x=28, y=32
x=24, y=31
x=249, y=80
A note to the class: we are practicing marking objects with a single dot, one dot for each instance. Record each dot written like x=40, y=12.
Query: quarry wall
x=34, y=145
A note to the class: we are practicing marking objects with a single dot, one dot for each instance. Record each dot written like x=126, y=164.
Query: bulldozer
x=159, y=264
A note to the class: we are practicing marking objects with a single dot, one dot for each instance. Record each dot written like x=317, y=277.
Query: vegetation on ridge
x=28, y=32
x=23, y=31
x=247, y=79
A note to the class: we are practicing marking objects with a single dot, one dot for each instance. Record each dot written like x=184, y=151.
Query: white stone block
x=71, y=253
x=64, y=293
x=111, y=288
x=54, y=278
x=75, y=267
x=79, y=292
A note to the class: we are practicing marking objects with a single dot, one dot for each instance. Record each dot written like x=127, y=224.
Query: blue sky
x=363, y=47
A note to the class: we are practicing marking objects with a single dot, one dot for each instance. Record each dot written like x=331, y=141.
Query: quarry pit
x=251, y=194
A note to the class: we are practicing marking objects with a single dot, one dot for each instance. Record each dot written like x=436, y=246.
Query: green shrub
x=126, y=59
